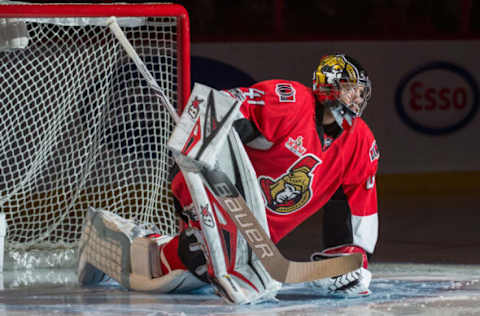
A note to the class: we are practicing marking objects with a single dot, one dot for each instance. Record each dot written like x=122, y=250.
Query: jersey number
x=254, y=96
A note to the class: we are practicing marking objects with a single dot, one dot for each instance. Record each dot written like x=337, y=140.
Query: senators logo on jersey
x=292, y=190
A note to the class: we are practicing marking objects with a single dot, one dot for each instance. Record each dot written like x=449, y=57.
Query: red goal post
x=80, y=128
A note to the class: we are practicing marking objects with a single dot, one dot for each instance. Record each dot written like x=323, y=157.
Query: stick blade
x=299, y=272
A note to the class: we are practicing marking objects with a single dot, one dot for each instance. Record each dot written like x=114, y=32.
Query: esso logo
x=437, y=98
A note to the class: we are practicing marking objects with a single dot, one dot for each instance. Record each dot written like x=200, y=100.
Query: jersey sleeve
x=274, y=106
x=361, y=189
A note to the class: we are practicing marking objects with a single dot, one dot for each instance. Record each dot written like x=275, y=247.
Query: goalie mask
x=342, y=85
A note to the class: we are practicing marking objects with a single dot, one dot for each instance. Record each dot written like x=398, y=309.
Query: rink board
x=396, y=289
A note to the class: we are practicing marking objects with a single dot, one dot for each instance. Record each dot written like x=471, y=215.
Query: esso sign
x=437, y=98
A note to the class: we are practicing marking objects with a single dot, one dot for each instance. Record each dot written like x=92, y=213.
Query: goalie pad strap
x=144, y=258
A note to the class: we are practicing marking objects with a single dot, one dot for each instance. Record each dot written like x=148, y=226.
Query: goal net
x=78, y=125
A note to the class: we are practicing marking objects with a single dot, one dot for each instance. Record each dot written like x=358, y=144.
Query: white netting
x=79, y=128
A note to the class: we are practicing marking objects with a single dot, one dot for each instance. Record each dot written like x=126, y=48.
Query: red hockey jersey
x=296, y=174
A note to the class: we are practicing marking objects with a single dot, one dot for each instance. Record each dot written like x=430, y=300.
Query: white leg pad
x=104, y=248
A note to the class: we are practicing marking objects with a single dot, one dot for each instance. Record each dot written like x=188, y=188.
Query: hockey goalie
x=290, y=152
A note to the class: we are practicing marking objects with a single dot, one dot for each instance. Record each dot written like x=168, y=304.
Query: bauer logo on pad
x=204, y=125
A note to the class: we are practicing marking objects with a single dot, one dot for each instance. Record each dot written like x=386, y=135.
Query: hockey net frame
x=114, y=157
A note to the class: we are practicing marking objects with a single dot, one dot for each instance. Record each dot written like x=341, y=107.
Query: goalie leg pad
x=89, y=275
x=103, y=249
x=250, y=274
x=140, y=264
x=245, y=280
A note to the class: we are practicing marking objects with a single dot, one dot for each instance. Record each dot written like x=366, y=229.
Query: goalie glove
x=352, y=284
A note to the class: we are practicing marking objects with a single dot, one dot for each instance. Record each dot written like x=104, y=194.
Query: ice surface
x=397, y=289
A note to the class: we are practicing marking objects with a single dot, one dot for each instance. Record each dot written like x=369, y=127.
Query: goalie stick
x=280, y=268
